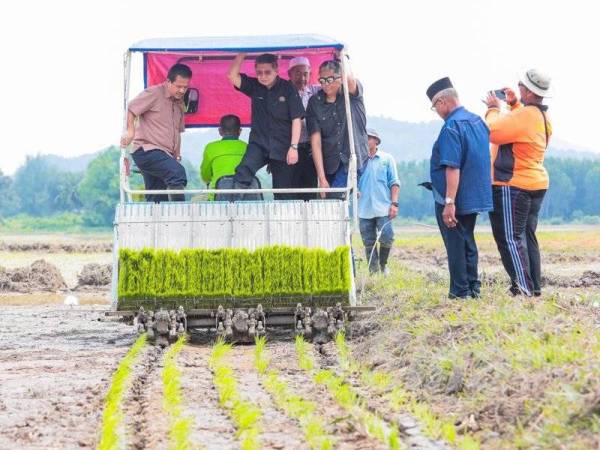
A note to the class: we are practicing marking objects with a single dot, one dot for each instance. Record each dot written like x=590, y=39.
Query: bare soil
x=56, y=362
x=55, y=368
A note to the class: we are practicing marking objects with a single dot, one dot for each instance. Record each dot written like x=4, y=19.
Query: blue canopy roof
x=236, y=43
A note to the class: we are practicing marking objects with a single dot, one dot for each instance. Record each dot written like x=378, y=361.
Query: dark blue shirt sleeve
x=312, y=120
x=295, y=104
x=248, y=85
x=358, y=95
x=450, y=148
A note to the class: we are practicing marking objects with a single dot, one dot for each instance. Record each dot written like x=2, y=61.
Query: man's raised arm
x=234, y=70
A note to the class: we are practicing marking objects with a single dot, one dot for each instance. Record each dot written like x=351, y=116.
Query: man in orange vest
x=519, y=140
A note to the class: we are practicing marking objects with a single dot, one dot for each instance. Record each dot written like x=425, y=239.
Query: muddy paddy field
x=421, y=372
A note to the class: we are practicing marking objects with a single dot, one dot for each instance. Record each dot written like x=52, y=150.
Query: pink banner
x=217, y=97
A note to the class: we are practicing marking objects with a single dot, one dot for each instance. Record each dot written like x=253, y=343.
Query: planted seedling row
x=294, y=406
x=347, y=398
x=112, y=417
x=179, y=425
x=245, y=415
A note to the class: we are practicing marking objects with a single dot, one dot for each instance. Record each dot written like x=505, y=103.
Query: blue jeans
x=160, y=171
x=336, y=180
x=462, y=254
x=368, y=232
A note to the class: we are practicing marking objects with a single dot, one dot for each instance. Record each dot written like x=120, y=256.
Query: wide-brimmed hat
x=437, y=87
x=537, y=82
x=372, y=133
x=299, y=61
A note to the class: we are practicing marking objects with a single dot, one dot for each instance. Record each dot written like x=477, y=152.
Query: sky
x=62, y=73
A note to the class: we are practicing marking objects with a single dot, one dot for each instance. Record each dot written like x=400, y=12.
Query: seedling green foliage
x=348, y=399
x=180, y=426
x=239, y=273
x=245, y=415
x=113, y=416
x=293, y=405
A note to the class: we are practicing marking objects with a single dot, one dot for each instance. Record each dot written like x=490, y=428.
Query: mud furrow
x=212, y=428
x=347, y=433
x=278, y=431
x=146, y=424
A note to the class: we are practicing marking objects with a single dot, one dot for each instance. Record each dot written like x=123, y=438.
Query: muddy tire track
x=212, y=427
x=348, y=434
x=146, y=423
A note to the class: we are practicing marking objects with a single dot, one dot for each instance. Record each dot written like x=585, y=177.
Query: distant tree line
x=573, y=194
x=39, y=190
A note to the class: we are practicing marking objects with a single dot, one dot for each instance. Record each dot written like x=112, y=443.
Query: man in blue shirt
x=461, y=182
x=379, y=188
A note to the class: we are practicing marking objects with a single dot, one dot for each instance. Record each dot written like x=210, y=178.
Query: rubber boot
x=384, y=254
x=176, y=197
x=374, y=260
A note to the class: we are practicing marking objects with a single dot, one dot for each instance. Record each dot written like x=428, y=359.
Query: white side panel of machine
x=249, y=225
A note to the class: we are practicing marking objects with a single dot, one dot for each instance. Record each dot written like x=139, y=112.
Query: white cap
x=299, y=61
x=537, y=82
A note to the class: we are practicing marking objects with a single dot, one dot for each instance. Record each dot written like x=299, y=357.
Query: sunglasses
x=328, y=80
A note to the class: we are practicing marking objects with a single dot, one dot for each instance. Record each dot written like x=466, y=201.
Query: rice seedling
x=179, y=425
x=112, y=416
x=207, y=274
x=245, y=415
x=293, y=405
x=348, y=399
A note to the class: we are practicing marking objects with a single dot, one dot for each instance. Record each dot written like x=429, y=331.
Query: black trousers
x=514, y=223
x=305, y=174
x=160, y=171
x=463, y=257
x=257, y=157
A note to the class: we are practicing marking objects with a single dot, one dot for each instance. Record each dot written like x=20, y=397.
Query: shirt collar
x=229, y=138
x=455, y=111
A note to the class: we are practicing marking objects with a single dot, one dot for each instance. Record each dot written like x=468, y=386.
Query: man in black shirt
x=277, y=113
x=326, y=123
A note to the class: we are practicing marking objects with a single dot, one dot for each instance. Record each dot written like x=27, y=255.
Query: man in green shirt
x=222, y=157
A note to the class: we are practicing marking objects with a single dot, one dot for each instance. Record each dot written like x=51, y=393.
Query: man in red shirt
x=157, y=137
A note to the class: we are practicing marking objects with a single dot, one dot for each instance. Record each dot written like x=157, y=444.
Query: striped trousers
x=514, y=222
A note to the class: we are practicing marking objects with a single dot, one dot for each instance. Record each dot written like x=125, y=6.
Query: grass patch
x=179, y=425
x=509, y=372
x=112, y=417
x=245, y=415
x=293, y=405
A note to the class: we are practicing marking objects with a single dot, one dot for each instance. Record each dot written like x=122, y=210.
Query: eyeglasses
x=436, y=102
x=328, y=80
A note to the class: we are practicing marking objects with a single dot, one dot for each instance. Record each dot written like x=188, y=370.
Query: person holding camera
x=519, y=140
x=461, y=184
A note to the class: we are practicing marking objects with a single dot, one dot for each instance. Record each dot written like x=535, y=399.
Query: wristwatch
x=449, y=201
x=294, y=146
x=395, y=204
